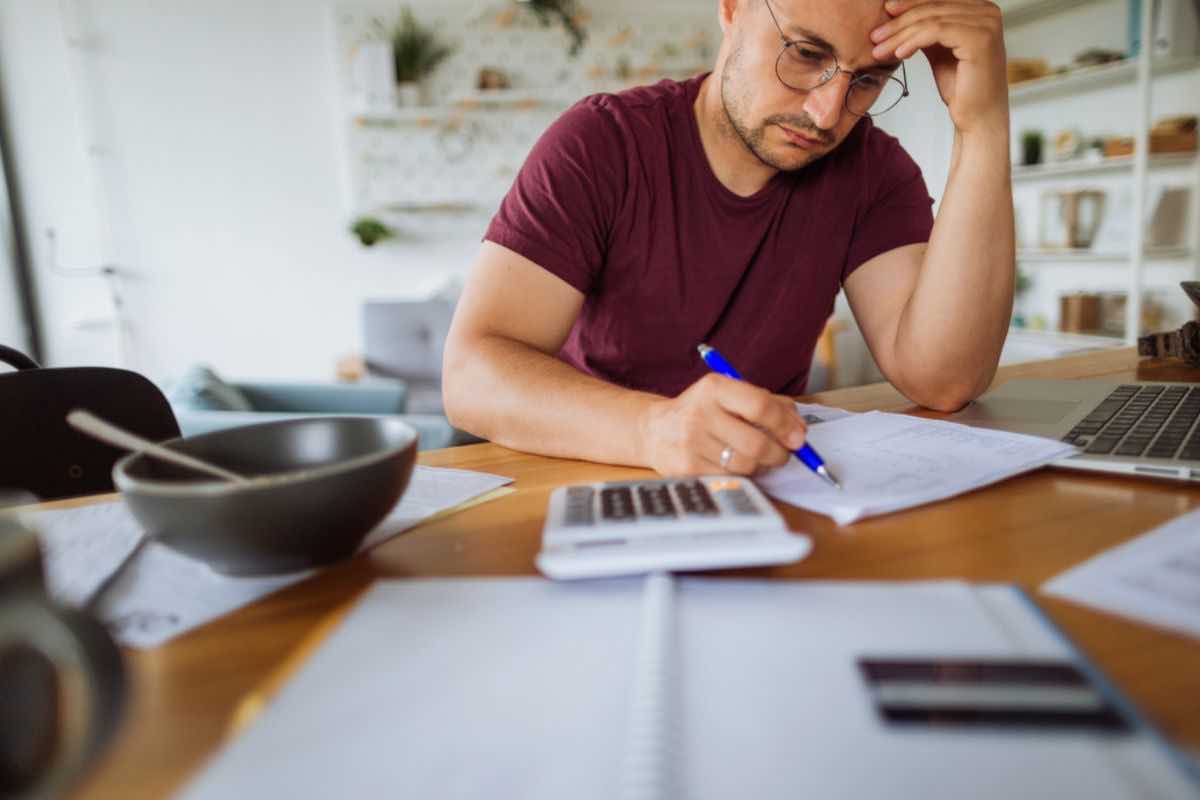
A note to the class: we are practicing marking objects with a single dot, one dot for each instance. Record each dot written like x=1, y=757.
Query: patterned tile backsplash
x=440, y=167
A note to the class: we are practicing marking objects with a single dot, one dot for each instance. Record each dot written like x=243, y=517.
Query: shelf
x=1098, y=166
x=1022, y=12
x=428, y=116
x=1063, y=339
x=1090, y=256
x=513, y=99
x=1086, y=78
x=431, y=207
x=1031, y=344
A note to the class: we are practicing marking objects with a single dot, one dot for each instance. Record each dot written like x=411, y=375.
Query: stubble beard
x=733, y=99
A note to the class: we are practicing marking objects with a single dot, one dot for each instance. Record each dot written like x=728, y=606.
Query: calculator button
x=617, y=504
x=694, y=498
x=740, y=502
x=579, y=506
x=656, y=501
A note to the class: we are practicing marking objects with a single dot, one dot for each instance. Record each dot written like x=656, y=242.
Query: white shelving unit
x=1062, y=169
x=438, y=171
x=1103, y=256
x=1140, y=76
x=1023, y=12
x=1102, y=76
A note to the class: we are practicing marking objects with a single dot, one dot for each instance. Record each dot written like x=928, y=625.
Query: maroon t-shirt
x=617, y=199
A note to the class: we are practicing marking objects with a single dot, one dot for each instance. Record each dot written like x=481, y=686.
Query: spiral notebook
x=668, y=687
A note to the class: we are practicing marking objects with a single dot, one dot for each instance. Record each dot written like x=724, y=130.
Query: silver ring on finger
x=726, y=457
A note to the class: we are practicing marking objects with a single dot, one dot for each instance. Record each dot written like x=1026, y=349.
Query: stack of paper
x=1154, y=578
x=889, y=462
x=163, y=594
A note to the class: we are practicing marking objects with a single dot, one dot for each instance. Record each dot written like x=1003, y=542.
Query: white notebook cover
x=714, y=688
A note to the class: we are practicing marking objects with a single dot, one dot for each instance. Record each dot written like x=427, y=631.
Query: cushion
x=202, y=389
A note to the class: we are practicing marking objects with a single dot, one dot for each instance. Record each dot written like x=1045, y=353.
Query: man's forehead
x=842, y=25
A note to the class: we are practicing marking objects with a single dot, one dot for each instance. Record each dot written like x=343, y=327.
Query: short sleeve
x=560, y=209
x=896, y=209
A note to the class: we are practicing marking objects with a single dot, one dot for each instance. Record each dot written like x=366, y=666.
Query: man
x=730, y=209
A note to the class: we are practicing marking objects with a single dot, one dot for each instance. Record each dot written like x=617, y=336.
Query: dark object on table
x=318, y=486
x=41, y=454
x=1183, y=343
x=62, y=680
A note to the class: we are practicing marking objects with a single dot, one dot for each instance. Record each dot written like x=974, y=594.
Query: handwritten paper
x=815, y=414
x=81, y=547
x=1154, y=578
x=889, y=462
x=163, y=594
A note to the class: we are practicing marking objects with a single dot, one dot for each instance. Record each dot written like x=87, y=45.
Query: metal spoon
x=92, y=425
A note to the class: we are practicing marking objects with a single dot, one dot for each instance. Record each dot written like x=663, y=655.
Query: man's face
x=786, y=128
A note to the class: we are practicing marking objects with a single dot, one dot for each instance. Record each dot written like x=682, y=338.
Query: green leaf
x=415, y=49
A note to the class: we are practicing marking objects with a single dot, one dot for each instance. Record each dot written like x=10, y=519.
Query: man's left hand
x=964, y=42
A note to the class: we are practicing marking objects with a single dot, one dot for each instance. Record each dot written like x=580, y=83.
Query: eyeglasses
x=803, y=65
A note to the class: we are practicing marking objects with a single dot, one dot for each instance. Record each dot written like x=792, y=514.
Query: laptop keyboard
x=1149, y=421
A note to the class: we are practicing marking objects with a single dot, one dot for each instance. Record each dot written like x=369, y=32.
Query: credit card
x=988, y=693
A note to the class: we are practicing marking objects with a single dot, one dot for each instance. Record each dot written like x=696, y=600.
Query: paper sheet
x=815, y=414
x=82, y=546
x=1154, y=578
x=889, y=462
x=163, y=594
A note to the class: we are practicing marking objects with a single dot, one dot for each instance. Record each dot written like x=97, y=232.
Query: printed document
x=888, y=462
x=163, y=594
x=1154, y=578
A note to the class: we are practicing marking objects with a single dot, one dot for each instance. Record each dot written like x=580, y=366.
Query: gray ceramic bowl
x=318, y=486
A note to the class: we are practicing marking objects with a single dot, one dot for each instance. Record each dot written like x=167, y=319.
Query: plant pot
x=410, y=93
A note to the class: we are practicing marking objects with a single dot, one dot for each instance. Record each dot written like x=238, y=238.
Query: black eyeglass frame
x=833, y=72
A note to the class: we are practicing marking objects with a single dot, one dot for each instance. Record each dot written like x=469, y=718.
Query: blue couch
x=203, y=402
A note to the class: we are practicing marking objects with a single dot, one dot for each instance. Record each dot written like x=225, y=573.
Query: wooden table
x=1023, y=531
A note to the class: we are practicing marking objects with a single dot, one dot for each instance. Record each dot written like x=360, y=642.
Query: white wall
x=12, y=332
x=217, y=191
x=12, y=328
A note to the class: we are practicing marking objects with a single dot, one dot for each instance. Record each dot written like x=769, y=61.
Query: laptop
x=1145, y=429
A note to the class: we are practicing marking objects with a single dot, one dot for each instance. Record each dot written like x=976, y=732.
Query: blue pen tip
x=828, y=476
x=703, y=349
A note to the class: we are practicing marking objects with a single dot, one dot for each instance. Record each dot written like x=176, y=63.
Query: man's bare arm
x=502, y=380
x=935, y=317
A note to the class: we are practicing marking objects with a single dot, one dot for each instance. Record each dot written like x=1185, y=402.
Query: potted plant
x=416, y=53
x=568, y=15
x=1031, y=147
x=370, y=230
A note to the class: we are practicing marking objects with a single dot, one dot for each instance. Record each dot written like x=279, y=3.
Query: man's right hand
x=686, y=435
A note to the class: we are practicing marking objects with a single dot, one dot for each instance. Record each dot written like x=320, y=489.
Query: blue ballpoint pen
x=717, y=363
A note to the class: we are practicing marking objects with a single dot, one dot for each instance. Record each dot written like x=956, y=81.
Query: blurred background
x=295, y=191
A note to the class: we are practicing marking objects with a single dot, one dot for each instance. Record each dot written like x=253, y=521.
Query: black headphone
x=17, y=359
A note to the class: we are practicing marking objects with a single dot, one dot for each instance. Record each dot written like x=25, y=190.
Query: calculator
x=633, y=527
